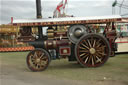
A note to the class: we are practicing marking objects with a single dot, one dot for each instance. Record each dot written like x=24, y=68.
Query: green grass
x=116, y=68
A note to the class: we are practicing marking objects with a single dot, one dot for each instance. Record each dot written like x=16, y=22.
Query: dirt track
x=15, y=73
x=16, y=76
x=11, y=74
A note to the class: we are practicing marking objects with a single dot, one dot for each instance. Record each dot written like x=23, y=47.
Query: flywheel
x=75, y=32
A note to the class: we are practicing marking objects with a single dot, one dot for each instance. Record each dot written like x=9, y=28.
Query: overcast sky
x=27, y=8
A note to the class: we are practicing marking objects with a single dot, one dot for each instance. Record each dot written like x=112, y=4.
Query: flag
x=60, y=6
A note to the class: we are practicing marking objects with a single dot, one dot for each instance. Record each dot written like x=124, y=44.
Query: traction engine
x=71, y=38
x=74, y=42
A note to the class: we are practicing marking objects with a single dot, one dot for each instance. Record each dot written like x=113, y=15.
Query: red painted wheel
x=92, y=50
x=38, y=60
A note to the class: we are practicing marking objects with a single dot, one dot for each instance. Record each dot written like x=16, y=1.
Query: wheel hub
x=38, y=60
x=92, y=50
x=78, y=33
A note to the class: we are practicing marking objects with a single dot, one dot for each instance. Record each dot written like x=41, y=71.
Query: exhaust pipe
x=39, y=16
x=38, y=9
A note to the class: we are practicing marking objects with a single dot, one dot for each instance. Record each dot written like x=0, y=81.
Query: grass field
x=116, y=68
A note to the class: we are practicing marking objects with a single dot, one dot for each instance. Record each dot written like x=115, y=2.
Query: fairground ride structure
x=8, y=41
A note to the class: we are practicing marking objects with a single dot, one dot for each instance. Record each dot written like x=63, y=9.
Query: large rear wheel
x=92, y=50
x=38, y=60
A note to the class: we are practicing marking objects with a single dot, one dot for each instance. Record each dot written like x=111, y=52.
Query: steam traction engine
x=71, y=37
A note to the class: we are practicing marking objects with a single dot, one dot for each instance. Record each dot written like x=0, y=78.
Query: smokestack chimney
x=39, y=16
x=38, y=9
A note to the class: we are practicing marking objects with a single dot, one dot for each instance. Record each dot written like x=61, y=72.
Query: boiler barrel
x=54, y=44
x=50, y=44
x=37, y=44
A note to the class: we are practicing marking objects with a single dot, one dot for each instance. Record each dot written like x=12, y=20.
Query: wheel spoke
x=86, y=43
x=85, y=46
x=82, y=54
x=99, y=50
x=98, y=45
x=86, y=60
x=98, y=42
x=42, y=54
x=94, y=43
x=94, y=58
x=84, y=51
x=89, y=43
x=44, y=63
x=44, y=58
x=92, y=61
x=32, y=58
x=98, y=53
x=85, y=56
x=82, y=48
x=102, y=54
x=37, y=67
x=98, y=59
x=35, y=54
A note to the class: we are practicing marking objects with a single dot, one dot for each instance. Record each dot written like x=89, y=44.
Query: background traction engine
x=73, y=42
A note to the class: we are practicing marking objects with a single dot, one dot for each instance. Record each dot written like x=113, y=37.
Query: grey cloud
x=16, y=9
x=27, y=8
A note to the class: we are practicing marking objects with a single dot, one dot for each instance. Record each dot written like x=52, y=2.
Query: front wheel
x=38, y=60
x=92, y=50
